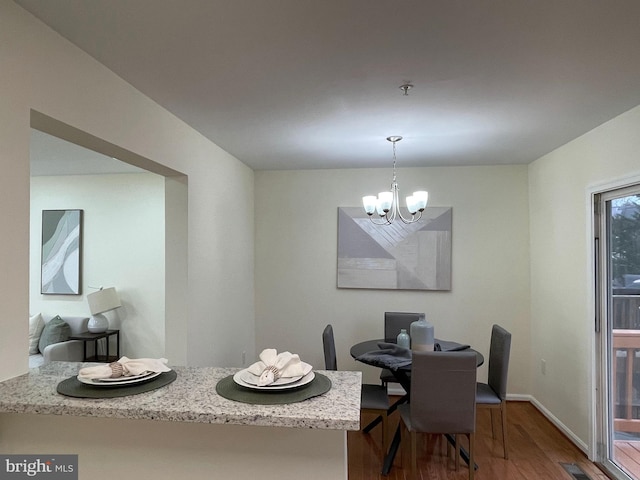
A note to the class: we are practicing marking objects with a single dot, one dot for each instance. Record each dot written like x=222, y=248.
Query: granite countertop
x=191, y=397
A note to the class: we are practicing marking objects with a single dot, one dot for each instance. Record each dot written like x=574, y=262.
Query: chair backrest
x=395, y=321
x=443, y=392
x=499, y=352
x=329, y=345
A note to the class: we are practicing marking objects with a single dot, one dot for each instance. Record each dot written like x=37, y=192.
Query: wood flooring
x=627, y=456
x=536, y=450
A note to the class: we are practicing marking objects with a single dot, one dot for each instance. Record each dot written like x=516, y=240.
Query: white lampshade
x=103, y=300
x=421, y=198
x=385, y=199
x=412, y=204
x=369, y=203
x=99, y=302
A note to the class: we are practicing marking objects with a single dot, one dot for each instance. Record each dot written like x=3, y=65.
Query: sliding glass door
x=617, y=245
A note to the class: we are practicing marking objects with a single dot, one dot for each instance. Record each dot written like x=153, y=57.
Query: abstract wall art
x=416, y=256
x=61, y=252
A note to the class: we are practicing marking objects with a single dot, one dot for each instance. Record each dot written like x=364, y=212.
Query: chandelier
x=387, y=204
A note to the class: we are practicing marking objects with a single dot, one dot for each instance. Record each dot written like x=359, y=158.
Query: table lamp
x=100, y=302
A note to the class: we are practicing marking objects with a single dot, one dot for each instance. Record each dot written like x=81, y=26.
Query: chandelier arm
x=413, y=218
x=406, y=220
x=384, y=222
x=396, y=207
x=394, y=189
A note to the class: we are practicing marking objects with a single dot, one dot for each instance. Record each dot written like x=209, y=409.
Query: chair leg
x=493, y=430
x=472, y=441
x=414, y=455
x=503, y=410
x=403, y=444
x=385, y=433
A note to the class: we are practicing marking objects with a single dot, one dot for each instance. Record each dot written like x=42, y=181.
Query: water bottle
x=403, y=339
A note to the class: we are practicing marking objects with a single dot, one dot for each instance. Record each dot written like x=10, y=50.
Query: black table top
x=371, y=345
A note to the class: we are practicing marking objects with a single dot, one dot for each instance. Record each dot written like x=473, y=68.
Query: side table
x=94, y=337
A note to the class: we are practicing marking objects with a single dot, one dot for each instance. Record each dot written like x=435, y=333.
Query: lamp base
x=98, y=324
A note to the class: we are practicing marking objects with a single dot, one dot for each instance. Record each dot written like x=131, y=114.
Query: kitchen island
x=182, y=430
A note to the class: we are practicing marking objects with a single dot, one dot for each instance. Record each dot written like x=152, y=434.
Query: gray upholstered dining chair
x=373, y=398
x=393, y=323
x=443, y=400
x=493, y=394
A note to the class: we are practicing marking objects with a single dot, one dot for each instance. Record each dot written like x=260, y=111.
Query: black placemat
x=72, y=387
x=229, y=389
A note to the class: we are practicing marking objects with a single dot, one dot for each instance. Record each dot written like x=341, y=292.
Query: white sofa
x=69, y=351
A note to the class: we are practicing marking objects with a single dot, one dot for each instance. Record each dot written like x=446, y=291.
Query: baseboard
x=561, y=426
x=517, y=397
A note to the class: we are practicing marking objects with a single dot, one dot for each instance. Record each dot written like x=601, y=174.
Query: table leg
x=463, y=453
x=392, y=409
x=372, y=424
x=391, y=454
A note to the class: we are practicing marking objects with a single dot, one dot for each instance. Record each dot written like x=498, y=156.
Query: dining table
x=365, y=352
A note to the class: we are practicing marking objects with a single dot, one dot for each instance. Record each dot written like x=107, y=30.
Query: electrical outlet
x=543, y=366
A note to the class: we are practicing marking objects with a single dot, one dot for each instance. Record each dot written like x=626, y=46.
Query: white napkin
x=129, y=367
x=288, y=364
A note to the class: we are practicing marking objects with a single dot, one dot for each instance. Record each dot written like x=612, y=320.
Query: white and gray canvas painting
x=416, y=256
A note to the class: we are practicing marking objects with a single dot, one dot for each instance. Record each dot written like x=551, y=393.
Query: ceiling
x=299, y=84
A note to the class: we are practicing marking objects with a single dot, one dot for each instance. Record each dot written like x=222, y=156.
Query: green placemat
x=229, y=389
x=72, y=387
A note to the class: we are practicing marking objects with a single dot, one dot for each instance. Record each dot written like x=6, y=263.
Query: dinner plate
x=308, y=378
x=251, y=378
x=119, y=381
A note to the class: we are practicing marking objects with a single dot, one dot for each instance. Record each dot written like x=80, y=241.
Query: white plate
x=252, y=379
x=119, y=381
x=238, y=378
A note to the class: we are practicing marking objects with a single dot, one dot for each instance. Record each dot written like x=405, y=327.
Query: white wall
x=43, y=72
x=296, y=261
x=561, y=288
x=123, y=246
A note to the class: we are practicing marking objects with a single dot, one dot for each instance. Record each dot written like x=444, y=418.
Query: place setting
x=276, y=378
x=117, y=379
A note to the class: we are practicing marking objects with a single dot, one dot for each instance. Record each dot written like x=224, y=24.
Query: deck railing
x=625, y=344
x=626, y=362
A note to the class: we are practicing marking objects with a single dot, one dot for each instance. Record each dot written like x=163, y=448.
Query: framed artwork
x=416, y=256
x=61, y=252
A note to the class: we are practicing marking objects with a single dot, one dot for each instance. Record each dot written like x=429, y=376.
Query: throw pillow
x=55, y=331
x=36, y=325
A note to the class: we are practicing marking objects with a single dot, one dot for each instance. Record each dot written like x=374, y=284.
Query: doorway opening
x=168, y=203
